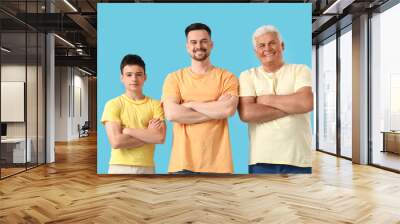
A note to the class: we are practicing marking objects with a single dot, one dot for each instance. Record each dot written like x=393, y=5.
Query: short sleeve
x=303, y=77
x=246, y=85
x=170, y=88
x=158, y=110
x=112, y=112
x=231, y=85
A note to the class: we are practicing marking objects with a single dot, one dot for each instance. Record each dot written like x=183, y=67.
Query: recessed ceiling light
x=338, y=6
x=70, y=5
x=84, y=71
x=5, y=50
x=64, y=40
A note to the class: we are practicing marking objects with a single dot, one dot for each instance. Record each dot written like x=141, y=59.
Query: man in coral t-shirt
x=198, y=99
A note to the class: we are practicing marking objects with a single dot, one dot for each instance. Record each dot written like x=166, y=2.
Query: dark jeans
x=188, y=172
x=260, y=168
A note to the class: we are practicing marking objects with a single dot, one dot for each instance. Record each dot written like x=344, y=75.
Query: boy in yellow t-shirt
x=133, y=122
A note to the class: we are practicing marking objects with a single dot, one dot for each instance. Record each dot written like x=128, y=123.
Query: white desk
x=19, y=149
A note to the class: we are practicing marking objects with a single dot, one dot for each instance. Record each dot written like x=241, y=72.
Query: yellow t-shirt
x=286, y=140
x=132, y=114
x=203, y=147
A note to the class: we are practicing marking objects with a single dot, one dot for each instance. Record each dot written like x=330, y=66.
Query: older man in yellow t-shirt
x=275, y=99
x=133, y=122
x=199, y=99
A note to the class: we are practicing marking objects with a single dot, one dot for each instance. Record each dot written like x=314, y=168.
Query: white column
x=360, y=90
x=50, y=109
x=50, y=93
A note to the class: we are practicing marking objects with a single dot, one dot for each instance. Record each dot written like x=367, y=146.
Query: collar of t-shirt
x=142, y=101
x=199, y=75
x=272, y=75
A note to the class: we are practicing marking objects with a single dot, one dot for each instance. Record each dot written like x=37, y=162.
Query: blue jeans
x=192, y=172
x=260, y=168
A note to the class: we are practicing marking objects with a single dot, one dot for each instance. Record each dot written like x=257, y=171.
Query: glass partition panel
x=327, y=96
x=346, y=94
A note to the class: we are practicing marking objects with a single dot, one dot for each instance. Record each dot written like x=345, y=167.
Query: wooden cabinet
x=391, y=141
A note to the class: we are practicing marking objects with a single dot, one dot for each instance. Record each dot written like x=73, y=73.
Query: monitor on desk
x=3, y=130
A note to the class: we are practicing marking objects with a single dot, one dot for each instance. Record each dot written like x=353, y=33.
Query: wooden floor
x=10, y=171
x=5, y=172
x=70, y=191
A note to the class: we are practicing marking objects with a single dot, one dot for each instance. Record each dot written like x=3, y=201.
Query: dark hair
x=197, y=26
x=132, y=59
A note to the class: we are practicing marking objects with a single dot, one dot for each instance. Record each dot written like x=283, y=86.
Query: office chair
x=84, y=130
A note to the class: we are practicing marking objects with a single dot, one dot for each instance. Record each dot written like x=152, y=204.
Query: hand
x=264, y=99
x=154, y=123
x=225, y=97
x=188, y=105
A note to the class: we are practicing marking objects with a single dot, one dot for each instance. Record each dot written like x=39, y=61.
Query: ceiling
x=75, y=21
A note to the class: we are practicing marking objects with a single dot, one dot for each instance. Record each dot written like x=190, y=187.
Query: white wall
x=80, y=84
x=70, y=84
x=13, y=73
x=34, y=124
x=61, y=103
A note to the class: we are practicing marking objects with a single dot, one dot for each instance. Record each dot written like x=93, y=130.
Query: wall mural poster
x=171, y=76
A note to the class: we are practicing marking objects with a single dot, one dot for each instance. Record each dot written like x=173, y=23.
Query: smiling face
x=199, y=44
x=269, y=49
x=133, y=78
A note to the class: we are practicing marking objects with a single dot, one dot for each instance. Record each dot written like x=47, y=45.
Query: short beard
x=203, y=58
x=200, y=59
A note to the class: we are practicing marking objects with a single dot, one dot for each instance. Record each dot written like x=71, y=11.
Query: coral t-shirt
x=202, y=147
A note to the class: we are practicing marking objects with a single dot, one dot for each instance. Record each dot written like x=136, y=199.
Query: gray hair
x=264, y=30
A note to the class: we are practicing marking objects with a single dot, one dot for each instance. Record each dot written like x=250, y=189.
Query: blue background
x=156, y=33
